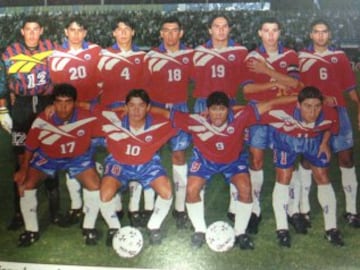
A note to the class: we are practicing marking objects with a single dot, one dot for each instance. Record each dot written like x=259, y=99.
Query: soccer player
x=122, y=69
x=62, y=142
x=218, y=148
x=169, y=68
x=133, y=141
x=304, y=129
x=218, y=65
x=75, y=62
x=29, y=84
x=272, y=71
x=329, y=69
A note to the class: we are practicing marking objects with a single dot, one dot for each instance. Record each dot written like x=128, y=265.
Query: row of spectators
x=295, y=26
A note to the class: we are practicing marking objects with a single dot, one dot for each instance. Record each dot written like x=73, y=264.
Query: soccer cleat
x=334, y=237
x=90, y=236
x=244, y=241
x=298, y=222
x=253, y=226
x=352, y=219
x=16, y=222
x=136, y=219
x=145, y=216
x=27, y=238
x=306, y=219
x=197, y=239
x=283, y=237
x=110, y=236
x=155, y=236
x=72, y=217
x=231, y=216
x=182, y=219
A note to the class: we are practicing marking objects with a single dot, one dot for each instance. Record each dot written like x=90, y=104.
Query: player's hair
x=218, y=98
x=172, y=19
x=31, y=19
x=269, y=20
x=320, y=21
x=215, y=16
x=123, y=20
x=78, y=20
x=64, y=90
x=140, y=93
x=310, y=92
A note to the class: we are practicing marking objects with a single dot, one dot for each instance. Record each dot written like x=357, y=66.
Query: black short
x=23, y=113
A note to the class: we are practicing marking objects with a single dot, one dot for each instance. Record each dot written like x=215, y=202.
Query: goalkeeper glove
x=5, y=119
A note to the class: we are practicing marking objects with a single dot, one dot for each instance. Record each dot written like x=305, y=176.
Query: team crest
x=231, y=57
x=87, y=57
x=334, y=60
x=80, y=133
x=185, y=60
x=195, y=166
x=137, y=61
x=283, y=64
x=148, y=138
x=230, y=130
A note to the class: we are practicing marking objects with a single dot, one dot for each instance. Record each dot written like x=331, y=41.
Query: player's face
x=64, y=107
x=75, y=34
x=31, y=33
x=220, y=30
x=123, y=34
x=320, y=35
x=310, y=109
x=218, y=114
x=171, y=34
x=269, y=34
x=137, y=110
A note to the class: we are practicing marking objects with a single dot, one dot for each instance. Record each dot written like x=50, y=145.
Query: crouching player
x=133, y=141
x=61, y=142
x=304, y=129
x=218, y=148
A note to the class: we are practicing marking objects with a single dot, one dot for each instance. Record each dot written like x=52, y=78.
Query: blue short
x=181, y=140
x=201, y=167
x=344, y=139
x=73, y=166
x=259, y=136
x=142, y=173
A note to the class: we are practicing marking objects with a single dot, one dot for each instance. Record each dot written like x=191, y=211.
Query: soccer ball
x=128, y=242
x=220, y=236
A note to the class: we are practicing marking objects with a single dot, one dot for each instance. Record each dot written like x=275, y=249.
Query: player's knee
x=165, y=193
x=178, y=158
x=257, y=164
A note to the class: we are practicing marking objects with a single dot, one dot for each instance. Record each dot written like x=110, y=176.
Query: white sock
x=196, y=214
x=257, y=180
x=180, y=181
x=350, y=186
x=74, y=188
x=28, y=206
x=280, y=198
x=118, y=202
x=327, y=200
x=108, y=211
x=305, y=184
x=149, y=199
x=242, y=216
x=91, y=208
x=135, y=196
x=233, y=198
x=294, y=194
x=161, y=209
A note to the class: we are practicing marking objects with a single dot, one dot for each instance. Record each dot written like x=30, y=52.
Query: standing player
x=75, y=62
x=62, y=142
x=133, y=141
x=304, y=129
x=28, y=80
x=121, y=67
x=169, y=69
x=218, y=65
x=329, y=70
x=273, y=71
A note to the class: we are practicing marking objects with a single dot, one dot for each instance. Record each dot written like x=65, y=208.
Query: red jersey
x=58, y=139
x=120, y=72
x=218, y=69
x=329, y=71
x=27, y=70
x=217, y=144
x=78, y=68
x=135, y=148
x=169, y=74
x=285, y=62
